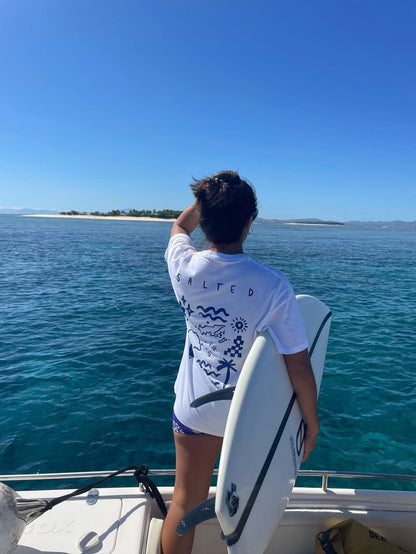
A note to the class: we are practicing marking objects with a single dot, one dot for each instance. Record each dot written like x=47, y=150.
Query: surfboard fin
x=201, y=513
x=223, y=394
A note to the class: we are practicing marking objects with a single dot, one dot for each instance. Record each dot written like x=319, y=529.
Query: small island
x=157, y=214
x=313, y=222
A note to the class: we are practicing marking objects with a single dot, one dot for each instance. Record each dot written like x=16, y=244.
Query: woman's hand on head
x=188, y=220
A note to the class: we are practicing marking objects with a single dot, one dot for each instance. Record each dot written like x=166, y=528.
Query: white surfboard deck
x=263, y=440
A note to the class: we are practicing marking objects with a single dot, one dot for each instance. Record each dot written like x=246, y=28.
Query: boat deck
x=118, y=519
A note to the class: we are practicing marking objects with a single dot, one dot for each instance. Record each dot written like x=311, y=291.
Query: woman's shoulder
x=272, y=273
x=179, y=244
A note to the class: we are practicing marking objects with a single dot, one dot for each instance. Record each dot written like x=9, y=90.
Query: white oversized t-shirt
x=227, y=299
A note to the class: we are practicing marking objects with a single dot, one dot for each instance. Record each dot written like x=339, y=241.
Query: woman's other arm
x=187, y=221
x=303, y=381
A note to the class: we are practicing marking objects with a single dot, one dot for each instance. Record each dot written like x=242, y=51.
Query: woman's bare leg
x=195, y=459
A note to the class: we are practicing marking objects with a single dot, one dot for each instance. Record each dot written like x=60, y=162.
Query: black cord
x=140, y=474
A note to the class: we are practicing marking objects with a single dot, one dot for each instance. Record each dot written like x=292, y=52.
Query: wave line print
x=204, y=365
x=205, y=312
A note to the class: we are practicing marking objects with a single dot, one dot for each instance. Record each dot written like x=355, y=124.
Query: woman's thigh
x=195, y=460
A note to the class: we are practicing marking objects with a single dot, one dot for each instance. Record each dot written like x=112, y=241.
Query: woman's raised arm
x=187, y=221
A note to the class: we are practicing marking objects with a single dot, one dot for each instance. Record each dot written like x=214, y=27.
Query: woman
x=226, y=298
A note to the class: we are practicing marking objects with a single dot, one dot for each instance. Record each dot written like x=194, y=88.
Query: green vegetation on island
x=162, y=214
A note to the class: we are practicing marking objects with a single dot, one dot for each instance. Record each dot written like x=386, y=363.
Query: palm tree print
x=229, y=365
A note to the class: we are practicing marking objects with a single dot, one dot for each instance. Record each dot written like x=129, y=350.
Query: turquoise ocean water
x=91, y=337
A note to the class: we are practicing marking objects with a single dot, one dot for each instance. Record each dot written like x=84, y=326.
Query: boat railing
x=323, y=474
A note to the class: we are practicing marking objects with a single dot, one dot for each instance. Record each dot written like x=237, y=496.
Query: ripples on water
x=92, y=337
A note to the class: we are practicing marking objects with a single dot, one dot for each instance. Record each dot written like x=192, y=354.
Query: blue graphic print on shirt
x=236, y=348
x=205, y=312
x=239, y=325
x=228, y=365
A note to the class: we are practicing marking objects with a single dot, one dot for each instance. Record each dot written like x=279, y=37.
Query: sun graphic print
x=239, y=324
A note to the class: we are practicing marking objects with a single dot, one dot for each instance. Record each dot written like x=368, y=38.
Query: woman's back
x=226, y=300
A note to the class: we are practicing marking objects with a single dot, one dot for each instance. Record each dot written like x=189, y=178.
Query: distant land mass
x=160, y=214
x=399, y=224
x=313, y=222
x=305, y=221
x=26, y=211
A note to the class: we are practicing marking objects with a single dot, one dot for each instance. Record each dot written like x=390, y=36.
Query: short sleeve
x=179, y=248
x=284, y=321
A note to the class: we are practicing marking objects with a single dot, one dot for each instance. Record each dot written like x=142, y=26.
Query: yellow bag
x=350, y=537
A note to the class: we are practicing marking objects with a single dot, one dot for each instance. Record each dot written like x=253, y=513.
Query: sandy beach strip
x=111, y=217
x=312, y=224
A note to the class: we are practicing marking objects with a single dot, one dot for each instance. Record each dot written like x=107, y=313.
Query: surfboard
x=263, y=440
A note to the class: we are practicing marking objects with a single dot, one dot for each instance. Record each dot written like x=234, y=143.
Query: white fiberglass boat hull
x=121, y=519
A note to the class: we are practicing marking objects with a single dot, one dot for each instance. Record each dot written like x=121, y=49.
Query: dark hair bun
x=226, y=203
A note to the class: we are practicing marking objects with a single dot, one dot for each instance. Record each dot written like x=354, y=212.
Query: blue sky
x=117, y=104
